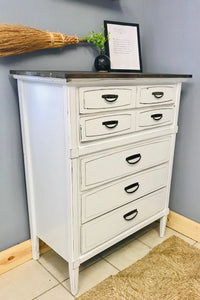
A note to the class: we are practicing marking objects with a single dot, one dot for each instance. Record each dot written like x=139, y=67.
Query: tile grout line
x=79, y=272
x=111, y=264
x=101, y=258
x=49, y=272
x=138, y=239
x=67, y=288
x=85, y=269
x=45, y=292
x=104, y=258
x=127, y=243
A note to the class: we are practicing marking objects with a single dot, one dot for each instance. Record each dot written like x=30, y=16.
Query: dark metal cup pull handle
x=158, y=95
x=157, y=117
x=110, y=97
x=110, y=124
x=133, y=159
x=131, y=215
x=130, y=189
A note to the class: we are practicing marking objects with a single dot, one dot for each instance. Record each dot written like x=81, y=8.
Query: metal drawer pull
x=110, y=124
x=158, y=95
x=131, y=215
x=133, y=159
x=129, y=189
x=157, y=117
x=110, y=97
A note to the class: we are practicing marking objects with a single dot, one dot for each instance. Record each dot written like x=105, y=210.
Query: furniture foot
x=163, y=222
x=73, y=276
x=35, y=248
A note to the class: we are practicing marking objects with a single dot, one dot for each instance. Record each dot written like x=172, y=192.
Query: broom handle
x=82, y=40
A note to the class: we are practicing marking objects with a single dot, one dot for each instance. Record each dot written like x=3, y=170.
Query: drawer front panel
x=156, y=94
x=106, y=126
x=154, y=118
x=122, y=192
x=99, y=169
x=108, y=226
x=97, y=99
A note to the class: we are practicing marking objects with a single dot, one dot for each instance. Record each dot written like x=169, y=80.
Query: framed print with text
x=123, y=46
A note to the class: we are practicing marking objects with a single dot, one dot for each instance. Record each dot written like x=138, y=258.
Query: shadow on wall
x=112, y=4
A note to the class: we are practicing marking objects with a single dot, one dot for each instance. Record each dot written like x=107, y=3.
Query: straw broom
x=18, y=39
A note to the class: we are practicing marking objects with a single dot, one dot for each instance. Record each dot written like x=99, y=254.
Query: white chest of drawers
x=98, y=152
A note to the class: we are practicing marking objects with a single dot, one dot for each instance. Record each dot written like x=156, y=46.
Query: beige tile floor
x=48, y=278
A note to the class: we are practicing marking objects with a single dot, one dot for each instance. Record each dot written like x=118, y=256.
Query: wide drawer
x=101, y=98
x=99, y=169
x=154, y=117
x=93, y=128
x=111, y=196
x=156, y=94
x=106, y=227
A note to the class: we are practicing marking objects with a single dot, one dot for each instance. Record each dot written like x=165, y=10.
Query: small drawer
x=148, y=95
x=154, y=117
x=108, y=226
x=119, y=193
x=101, y=168
x=93, y=128
x=105, y=99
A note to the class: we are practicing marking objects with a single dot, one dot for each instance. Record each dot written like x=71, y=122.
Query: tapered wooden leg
x=163, y=222
x=73, y=276
x=35, y=247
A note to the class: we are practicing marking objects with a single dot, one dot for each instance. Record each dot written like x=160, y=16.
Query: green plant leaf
x=98, y=38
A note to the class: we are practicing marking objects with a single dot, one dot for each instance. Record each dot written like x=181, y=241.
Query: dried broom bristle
x=18, y=39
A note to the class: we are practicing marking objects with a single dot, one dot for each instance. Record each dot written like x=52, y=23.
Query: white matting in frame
x=123, y=46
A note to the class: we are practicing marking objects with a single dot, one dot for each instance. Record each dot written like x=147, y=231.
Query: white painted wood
x=38, y=79
x=50, y=165
x=105, y=82
x=126, y=140
x=122, y=236
x=111, y=82
x=109, y=225
x=73, y=275
x=120, y=192
x=173, y=137
x=35, y=245
x=71, y=181
x=116, y=82
x=76, y=169
x=156, y=95
x=106, y=99
x=163, y=222
x=101, y=168
x=98, y=127
x=154, y=117
x=28, y=170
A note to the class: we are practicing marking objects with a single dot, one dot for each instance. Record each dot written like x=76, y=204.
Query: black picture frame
x=127, y=58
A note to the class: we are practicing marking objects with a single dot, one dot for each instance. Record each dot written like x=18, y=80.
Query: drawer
x=99, y=169
x=101, y=98
x=154, y=118
x=93, y=128
x=106, y=227
x=156, y=94
x=111, y=196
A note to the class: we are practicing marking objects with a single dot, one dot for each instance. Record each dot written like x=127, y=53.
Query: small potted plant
x=102, y=61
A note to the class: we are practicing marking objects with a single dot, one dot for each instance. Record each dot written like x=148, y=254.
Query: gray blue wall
x=169, y=44
x=172, y=43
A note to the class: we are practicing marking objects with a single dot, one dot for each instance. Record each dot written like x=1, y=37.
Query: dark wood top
x=81, y=75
